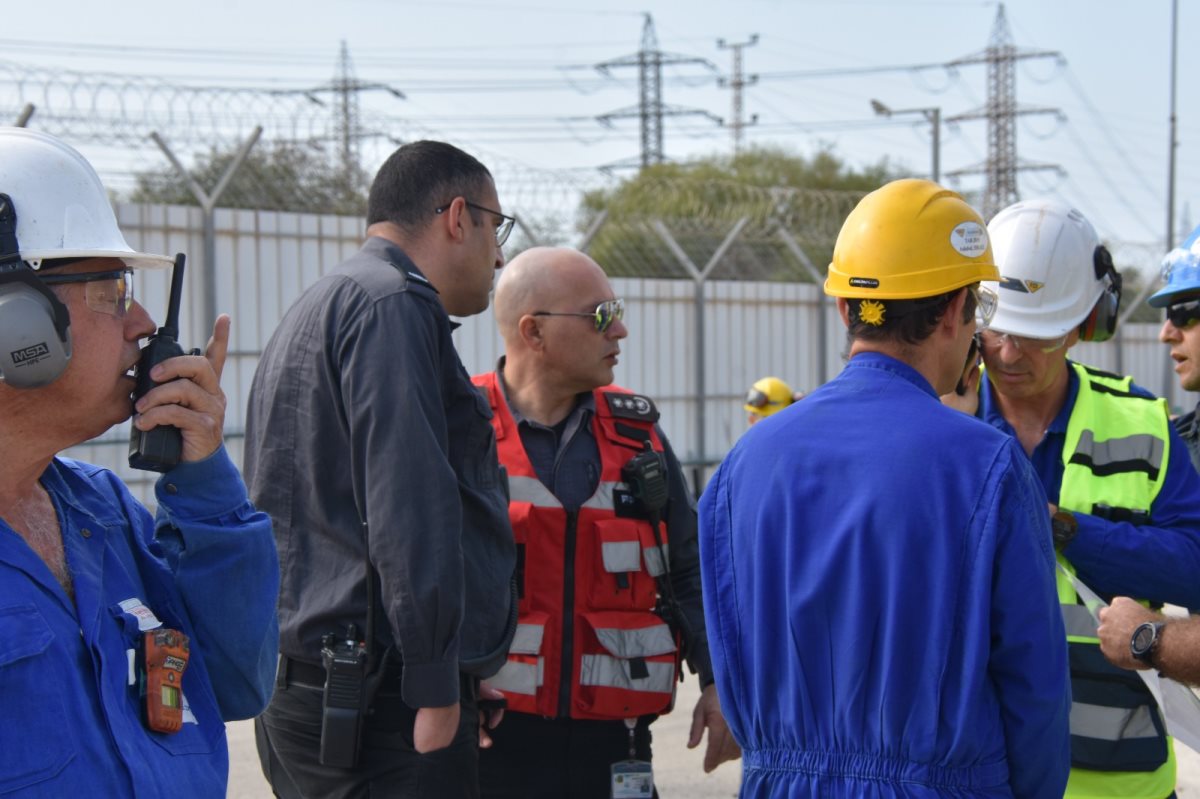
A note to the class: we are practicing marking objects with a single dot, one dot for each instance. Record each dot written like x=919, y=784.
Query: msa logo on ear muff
x=1101, y=323
x=35, y=337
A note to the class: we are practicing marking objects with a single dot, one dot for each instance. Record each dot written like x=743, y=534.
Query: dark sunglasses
x=603, y=317
x=1183, y=314
x=757, y=399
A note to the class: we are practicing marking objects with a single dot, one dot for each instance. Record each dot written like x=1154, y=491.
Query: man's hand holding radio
x=190, y=396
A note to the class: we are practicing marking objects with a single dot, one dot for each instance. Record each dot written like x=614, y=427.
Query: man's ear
x=531, y=333
x=844, y=309
x=953, y=317
x=452, y=219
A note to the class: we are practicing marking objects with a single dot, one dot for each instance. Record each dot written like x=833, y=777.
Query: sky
x=516, y=84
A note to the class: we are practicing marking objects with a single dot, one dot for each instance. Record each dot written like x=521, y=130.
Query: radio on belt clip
x=164, y=659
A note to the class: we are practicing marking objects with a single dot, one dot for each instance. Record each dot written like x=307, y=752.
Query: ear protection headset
x=1101, y=323
x=35, y=327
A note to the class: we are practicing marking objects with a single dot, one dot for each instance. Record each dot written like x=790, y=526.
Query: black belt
x=297, y=672
x=312, y=675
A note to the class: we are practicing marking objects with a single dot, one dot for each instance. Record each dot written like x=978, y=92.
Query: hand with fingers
x=189, y=396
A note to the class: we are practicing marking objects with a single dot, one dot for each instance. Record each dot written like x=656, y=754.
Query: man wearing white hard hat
x=126, y=640
x=1124, y=498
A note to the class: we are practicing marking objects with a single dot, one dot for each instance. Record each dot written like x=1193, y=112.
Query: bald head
x=542, y=279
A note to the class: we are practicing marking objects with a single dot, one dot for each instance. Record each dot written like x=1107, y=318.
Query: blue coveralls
x=879, y=593
x=70, y=721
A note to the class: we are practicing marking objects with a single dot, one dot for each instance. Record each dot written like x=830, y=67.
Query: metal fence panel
x=753, y=328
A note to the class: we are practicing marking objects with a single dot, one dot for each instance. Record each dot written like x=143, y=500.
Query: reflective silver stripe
x=528, y=639
x=1079, y=621
x=640, y=642
x=621, y=556
x=610, y=672
x=603, y=498
x=531, y=489
x=1139, y=447
x=518, y=678
x=654, y=561
x=1111, y=723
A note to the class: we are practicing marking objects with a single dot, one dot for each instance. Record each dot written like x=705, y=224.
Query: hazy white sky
x=512, y=81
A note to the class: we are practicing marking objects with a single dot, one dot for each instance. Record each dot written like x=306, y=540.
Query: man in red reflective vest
x=608, y=566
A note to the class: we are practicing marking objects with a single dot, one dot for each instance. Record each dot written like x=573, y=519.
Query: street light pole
x=933, y=116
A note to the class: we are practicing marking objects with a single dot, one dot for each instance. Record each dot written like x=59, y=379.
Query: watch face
x=1143, y=639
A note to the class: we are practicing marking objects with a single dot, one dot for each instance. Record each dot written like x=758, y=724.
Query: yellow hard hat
x=767, y=396
x=910, y=239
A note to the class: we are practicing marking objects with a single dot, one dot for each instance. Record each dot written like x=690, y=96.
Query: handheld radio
x=159, y=449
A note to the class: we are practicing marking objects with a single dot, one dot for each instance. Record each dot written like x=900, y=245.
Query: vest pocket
x=38, y=747
x=523, y=674
x=621, y=581
x=627, y=665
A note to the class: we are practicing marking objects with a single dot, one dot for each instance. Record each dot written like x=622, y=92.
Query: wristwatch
x=1063, y=527
x=1144, y=639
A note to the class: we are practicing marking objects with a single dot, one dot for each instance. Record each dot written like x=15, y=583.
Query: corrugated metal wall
x=752, y=329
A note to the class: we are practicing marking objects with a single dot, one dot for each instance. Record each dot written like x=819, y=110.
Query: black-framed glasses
x=1183, y=314
x=503, y=227
x=603, y=317
x=106, y=292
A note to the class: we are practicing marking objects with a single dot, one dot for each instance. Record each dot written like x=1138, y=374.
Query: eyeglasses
x=104, y=292
x=994, y=340
x=1183, y=314
x=503, y=227
x=603, y=317
x=985, y=305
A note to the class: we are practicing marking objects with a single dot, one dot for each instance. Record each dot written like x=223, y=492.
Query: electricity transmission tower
x=345, y=89
x=1001, y=112
x=650, y=109
x=738, y=82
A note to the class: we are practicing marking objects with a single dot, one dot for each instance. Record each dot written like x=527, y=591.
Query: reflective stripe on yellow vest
x=1115, y=454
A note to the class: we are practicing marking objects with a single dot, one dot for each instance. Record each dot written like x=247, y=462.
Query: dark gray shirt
x=360, y=409
x=566, y=459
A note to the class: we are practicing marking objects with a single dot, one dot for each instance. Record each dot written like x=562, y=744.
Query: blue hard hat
x=1181, y=271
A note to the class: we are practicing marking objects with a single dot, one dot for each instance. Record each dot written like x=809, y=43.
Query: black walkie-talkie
x=160, y=448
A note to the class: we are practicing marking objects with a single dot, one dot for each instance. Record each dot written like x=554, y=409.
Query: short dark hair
x=419, y=177
x=904, y=322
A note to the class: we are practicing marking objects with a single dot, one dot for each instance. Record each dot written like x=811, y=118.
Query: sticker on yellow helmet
x=871, y=312
x=969, y=239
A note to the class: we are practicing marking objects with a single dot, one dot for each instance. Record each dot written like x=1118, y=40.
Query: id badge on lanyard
x=632, y=779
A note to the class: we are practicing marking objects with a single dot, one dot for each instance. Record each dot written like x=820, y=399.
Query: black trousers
x=539, y=758
x=288, y=735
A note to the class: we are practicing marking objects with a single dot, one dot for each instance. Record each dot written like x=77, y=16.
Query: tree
x=274, y=177
x=701, y=201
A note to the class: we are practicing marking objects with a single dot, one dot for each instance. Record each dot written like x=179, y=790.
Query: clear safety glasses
x=994, y=340
x=985, y=305
x=603, y=317
x=1183, y=314
x=105, y=292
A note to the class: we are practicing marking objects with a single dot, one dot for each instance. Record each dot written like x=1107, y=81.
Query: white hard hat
x=1053, y=270
x=61, y=207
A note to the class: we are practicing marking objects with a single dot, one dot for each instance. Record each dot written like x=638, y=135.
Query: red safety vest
x=619, y=656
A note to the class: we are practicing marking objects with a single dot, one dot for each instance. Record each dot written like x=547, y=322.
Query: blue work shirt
x=1158, y=561
x=71, y=719
x=879, y=592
